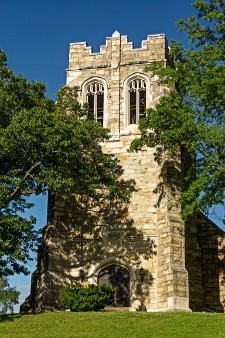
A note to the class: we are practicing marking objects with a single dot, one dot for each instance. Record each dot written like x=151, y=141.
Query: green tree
x=191, y=118
x=44, y=145
x=8, y=296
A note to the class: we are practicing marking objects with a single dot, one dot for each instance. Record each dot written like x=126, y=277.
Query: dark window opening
x=142, y=103
x=91, y=103
x=137, y=100
x=100, y=108
x=95, y=99
x=132, y=107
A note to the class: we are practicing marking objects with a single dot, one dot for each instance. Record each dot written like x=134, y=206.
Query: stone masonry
x=171, y=265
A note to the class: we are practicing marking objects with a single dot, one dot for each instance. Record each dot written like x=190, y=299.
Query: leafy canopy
x=8, y=296
x=45, y=145
x=191, y=117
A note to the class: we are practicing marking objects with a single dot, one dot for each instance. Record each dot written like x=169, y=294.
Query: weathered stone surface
x=168, y=261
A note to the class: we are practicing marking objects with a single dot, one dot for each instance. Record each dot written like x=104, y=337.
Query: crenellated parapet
x=117, y=63
x=153, y=48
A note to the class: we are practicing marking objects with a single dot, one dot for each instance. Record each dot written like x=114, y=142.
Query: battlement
x=117, y=47
x=151, y=39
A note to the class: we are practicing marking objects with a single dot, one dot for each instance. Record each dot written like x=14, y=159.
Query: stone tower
x=145, y=250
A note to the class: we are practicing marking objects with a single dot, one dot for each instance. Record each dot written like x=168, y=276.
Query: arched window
x=95, y=99
x=137, y=99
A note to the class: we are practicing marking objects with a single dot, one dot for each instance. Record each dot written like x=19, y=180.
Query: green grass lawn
x=113, y=325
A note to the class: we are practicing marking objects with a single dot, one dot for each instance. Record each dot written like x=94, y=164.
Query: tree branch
x=28, y=173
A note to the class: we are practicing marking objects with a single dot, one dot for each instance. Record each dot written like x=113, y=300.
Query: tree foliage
x=8, y=296
x=78, y=297
x=191, y=117
x=45, y=145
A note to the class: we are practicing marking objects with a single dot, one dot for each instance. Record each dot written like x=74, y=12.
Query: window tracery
x=137, y=100
x=95, y=100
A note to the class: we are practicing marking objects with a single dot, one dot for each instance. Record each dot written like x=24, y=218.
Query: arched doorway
x=119, y=278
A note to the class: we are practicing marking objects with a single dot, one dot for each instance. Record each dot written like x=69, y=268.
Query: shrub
x=78, y=297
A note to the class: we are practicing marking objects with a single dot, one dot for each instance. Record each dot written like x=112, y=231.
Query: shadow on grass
x=9, y=317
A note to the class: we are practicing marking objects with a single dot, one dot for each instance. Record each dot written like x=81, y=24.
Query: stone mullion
x=137, y=105
x=95, y=107
x=115, y=84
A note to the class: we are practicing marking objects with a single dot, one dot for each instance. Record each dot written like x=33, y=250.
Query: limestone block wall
x=204, y=251
x=172, y=276
x=97, y=235
x=116, y=61
x=154, y=214
x=53, y=268
x=81, y=56
x=147, y=236
x=79, y=239
x=142, y=217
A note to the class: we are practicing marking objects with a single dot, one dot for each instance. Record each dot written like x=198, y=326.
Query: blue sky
x=36, y=36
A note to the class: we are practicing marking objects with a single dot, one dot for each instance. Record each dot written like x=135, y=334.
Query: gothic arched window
x=137, y=99
x=95, y=100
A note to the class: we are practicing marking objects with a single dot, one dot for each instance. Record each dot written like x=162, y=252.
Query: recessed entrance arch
x=119, y=278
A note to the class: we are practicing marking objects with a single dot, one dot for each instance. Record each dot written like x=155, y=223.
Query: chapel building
x=156, y=261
